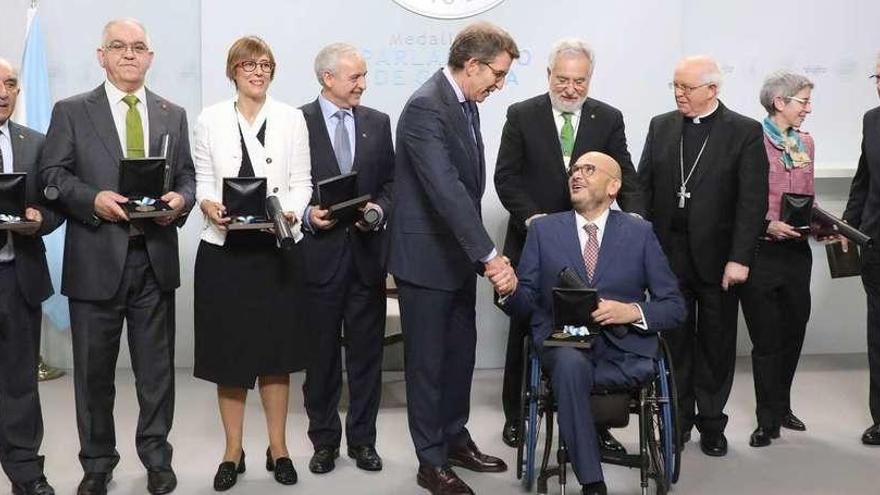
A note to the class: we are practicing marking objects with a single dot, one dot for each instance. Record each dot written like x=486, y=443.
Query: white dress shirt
x=119, y=109
x=7, y=254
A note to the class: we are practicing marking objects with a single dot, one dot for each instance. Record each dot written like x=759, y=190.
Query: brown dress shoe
x=442, y=481
x=469, y=457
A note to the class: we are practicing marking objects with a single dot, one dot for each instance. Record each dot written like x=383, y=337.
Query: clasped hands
x=500, y=272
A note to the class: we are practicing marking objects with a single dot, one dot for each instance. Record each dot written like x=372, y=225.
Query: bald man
x=704, y=174
x=24, y=285
x=618, y=255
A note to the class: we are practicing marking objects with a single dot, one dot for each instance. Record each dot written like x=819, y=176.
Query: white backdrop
x=637, y=45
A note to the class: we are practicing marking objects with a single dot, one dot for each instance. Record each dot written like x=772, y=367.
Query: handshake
x=500, y=272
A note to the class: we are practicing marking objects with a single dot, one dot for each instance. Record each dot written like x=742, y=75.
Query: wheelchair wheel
x=528, y=443
x=670, y=391
x=657, y=433
x=524, y=395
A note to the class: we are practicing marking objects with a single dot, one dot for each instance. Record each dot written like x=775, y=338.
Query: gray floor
x=830, y=396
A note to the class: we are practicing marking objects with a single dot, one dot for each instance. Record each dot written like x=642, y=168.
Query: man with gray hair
x=541, y=138
x=24, y=285
x=345, y=272
x=704, y=174
x=863, y=212
x=118, y=269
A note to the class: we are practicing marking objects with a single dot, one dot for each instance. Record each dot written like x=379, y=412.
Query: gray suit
x=110, y=276
x=24, y=284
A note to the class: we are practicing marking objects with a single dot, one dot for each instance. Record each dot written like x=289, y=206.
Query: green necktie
x=566, y=136
x=134, y=129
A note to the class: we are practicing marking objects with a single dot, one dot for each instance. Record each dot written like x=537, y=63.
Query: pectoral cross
x=683, y=195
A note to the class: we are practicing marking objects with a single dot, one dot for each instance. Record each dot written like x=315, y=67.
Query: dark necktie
x=3, y=235
x=470, y=112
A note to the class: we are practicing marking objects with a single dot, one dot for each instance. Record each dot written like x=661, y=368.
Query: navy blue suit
x=437, y=244
x=345, y=276
x=630, y=263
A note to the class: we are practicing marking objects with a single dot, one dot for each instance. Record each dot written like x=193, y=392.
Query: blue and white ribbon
x=9, y=218
x=579, y=331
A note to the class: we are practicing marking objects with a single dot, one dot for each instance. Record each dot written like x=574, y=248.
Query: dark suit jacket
x=729, y=189
x=437, y=233
x=863, y=208
x=81, y=158
x=529, y=175
x=30, y=252
x=630, y=263
x=374, y=164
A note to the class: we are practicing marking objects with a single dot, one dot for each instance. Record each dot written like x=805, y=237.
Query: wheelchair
x=655, y=403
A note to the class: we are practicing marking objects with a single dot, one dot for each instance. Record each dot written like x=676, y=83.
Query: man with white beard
x=541, y=139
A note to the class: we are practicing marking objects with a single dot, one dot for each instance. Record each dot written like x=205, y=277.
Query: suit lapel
x=671, y=153
x=611, y=243
x=157, y=114
x=360, y=137
x=16, y=138
x=455, y=112
x=571, y=245
x=546, y=125
x=480, y=151
x=98, y=111
x=714, y=147
x=313, y=110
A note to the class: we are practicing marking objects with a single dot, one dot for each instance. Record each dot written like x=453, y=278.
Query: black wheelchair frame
x=656, y=404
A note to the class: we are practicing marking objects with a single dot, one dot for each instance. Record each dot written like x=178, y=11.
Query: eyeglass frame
x=588, y=170
x=262, y=65
x=499, y=75
x=138, y=48
x=685, y=89
x=802, y=101
x=875, y=77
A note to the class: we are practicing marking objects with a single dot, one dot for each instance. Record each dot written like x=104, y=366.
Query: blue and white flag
x=34, y=109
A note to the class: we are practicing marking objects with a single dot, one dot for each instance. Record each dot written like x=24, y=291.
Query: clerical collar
x=706, y=116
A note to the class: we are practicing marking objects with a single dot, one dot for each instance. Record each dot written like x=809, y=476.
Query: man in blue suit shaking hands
x=618, y=255
x=438, y=245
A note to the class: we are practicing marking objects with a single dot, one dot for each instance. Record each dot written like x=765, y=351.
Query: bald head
x=602, y=162
x=593, y=183
x=8, y=89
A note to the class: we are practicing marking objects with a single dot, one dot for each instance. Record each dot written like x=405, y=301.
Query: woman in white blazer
x=248, y=315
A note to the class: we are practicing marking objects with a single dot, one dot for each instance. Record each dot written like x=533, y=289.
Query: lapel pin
x=364, y=135
x=21, y=136
x=592, y=115
x=164, y=106
x=268, y=160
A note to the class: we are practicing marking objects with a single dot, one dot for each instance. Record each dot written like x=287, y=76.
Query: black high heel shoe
x=283, y=468
x=227, y=474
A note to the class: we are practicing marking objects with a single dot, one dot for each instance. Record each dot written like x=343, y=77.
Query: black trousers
x=871, y=282
x=704, y=348
x=21, y=419
x=96, y=328
x=513, y=368
x=440, y=338
x=776, y=305
x=345, y=304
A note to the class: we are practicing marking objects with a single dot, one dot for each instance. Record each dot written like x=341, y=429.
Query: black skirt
x=249, y=310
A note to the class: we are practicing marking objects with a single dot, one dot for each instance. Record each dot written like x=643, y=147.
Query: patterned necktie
x=134, y=129
x=470, y=113
x=566, y=135
x=341, y=144
x=591, y=249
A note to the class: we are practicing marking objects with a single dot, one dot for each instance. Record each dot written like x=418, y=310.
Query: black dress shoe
x=763, y=437
x=227, y=474
x=510, y=434
x=871, y=436
x=608, y=443
x=366, y=457
x=283, y=468
x=713, y=444
x=160, y=481
x=94, y=484
x=469, y=457
x=323, y=460
x=596, y=488
x=792, y=422
x=442, y=481
x=38, y=486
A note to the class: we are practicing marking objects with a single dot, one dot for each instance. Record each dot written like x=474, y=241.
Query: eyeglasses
x=499, y=74
x=684, y=88
x=802, y=101
x=875, y=77
x=138, y=48
x=588, y=170
x=251, y=65
x=564, y=82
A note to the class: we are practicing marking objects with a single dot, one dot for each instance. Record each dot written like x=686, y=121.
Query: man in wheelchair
x=618, y=255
